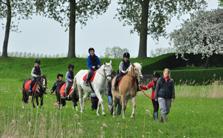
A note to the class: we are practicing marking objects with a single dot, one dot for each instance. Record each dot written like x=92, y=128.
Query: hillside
x=19, y=68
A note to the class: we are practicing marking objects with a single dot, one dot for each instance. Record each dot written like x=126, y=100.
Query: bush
x=172, y=62
x=197, y=76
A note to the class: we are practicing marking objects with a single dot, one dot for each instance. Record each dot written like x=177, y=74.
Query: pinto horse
x=38, y=91
x=62, y=98
x=102, y=75
x=127, y=89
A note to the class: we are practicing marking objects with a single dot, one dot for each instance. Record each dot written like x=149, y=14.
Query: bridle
x=105, y=75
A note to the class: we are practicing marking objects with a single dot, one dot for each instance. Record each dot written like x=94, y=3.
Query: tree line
x=147, y=17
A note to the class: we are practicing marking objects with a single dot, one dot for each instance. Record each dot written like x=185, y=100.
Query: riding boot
x=155, y=116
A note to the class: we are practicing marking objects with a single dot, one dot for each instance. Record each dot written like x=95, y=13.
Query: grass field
x=196, y=112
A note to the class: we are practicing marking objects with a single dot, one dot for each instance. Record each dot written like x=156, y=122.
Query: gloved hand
x=93, y=67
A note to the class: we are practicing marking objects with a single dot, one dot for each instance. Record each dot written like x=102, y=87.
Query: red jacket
x=151, y=84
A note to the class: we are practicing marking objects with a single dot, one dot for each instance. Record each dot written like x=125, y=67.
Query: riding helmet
x=126, y=55
x=90, y=49
x=37, y=61
x=70, y=66
x=156, y=74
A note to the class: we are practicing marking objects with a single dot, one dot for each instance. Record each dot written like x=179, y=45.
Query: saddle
x=27, y=85
x=62, y=90
x=92, y=77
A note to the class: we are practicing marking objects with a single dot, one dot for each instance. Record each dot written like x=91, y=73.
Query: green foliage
x=197, y=76
x=20, y=9
x=160, y=13
x=59, y=10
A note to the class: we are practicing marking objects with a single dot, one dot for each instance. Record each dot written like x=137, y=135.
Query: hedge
x=197, y=76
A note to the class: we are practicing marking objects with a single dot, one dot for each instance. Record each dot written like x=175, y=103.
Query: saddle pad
x=62, y=90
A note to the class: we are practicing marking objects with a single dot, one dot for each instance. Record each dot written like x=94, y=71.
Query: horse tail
x=25, y=95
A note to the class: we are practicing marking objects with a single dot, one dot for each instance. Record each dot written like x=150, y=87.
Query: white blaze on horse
x=98, y=85
x=127, y=89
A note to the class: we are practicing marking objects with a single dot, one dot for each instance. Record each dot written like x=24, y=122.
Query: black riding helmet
x=71, y=66
x=59, y=75
x=90, y=49
x=37, y=61
x=126, y=55
x=156, y=75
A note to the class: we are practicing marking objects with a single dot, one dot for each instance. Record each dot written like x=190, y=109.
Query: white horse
x=103, y=74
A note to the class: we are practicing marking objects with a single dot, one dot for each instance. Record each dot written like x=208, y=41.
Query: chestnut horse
x=38, y=91
x=127, y=89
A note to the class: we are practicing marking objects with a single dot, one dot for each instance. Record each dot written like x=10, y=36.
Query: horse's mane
x=136, y=65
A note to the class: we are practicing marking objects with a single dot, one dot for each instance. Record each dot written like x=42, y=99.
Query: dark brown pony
x=38, y=91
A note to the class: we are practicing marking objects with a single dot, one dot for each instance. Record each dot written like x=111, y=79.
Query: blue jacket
x=93, y=61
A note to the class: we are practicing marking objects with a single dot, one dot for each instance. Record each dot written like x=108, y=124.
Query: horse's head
x=136, y=70
x=107, y=67
x=43, y=83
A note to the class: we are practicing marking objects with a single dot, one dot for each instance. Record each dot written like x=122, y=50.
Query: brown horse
x=127, y=89
x=38, y=91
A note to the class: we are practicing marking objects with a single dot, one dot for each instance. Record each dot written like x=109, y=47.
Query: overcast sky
x=42, y=35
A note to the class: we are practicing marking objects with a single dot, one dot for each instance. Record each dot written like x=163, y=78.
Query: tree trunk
x=143, y=30
x=72, y=28
x=207, y=62
x=7, y=30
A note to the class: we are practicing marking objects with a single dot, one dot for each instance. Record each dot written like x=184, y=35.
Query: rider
x=57, y=85
x=93, y=63
x=123, y=68
x=35, y=73
x=69, y=79
x=152, y=85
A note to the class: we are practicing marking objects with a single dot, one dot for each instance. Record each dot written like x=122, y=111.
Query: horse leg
x=100, y=102
x=123, y=106
x=80, y=98
x=37, y=101
x=133, y=107
x=114, y=105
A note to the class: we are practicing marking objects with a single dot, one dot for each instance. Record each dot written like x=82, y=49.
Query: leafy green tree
x=69, y=12
x=150, y=17
x=13, y=11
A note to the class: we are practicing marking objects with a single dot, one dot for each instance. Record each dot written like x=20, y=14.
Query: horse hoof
x=103, y=114
x=132, y=116
x=98, y=114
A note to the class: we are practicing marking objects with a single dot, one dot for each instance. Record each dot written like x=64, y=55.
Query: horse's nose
x=141, y=76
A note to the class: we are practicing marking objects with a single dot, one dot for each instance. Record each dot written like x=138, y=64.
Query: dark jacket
x=57, y=85
x=123, y=66
x=93, y=61
x=165, y=88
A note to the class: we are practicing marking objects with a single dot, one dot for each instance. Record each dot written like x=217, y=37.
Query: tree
x=150, y=17
x=201, y=34
x=115, y=52
x=221, y=3
x=13, y=11
x=69, y=12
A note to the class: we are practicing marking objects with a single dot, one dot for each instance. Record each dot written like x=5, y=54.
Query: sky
x=46, y=36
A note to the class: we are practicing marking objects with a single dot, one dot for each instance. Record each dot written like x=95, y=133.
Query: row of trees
x=147, y=17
